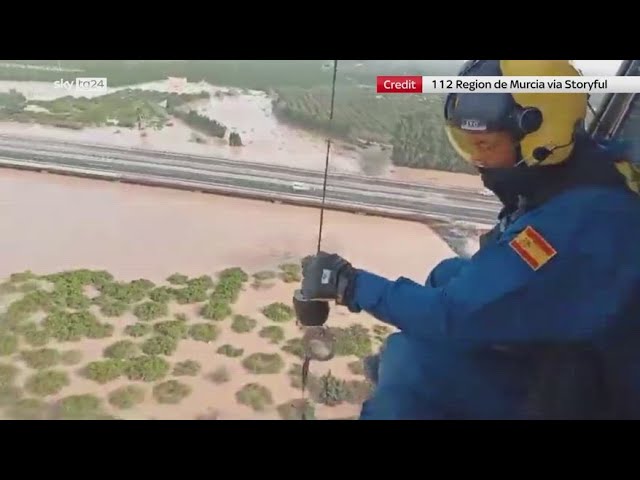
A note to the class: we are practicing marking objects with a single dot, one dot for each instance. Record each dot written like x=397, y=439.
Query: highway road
x=455, y=204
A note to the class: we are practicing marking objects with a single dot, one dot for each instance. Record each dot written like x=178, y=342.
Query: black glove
x=327, y=277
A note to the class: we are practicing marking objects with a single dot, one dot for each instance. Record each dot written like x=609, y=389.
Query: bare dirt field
x=206, y=348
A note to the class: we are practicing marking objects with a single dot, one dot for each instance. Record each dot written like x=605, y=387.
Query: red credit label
x=404, y=84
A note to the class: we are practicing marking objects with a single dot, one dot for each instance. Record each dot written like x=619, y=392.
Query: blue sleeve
x=445, y=271
x=497, y=297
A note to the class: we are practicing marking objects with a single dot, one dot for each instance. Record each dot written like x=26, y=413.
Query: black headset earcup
x=541, y=153
x=529, y=120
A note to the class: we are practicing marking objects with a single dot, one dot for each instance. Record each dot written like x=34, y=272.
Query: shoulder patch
x=533, y=248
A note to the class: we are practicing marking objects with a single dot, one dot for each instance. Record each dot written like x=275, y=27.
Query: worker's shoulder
x=582, y=219
x=587, y=204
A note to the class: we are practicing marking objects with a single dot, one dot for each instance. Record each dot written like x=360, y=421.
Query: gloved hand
x=327, y=277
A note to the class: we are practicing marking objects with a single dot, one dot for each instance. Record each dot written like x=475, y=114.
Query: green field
x=125, y=108
x=412, y=124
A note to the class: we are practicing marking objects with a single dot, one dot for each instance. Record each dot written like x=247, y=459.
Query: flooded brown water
x=50, y=223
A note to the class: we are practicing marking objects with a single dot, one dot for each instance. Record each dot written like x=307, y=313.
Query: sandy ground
x=52, y=223
x=246, y=112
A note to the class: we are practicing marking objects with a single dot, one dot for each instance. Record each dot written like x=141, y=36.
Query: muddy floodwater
x=50, y=223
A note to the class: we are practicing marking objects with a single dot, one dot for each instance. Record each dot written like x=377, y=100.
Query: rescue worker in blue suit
x=553, y=293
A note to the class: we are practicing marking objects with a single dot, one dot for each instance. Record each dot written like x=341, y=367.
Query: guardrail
x=429, y=219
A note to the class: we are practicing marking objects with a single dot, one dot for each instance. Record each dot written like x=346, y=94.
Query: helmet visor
x=481, y=148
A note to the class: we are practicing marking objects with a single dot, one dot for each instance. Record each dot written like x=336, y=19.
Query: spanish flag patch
x=533, y=248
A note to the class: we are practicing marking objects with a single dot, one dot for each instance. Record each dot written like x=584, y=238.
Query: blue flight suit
x=454, y=355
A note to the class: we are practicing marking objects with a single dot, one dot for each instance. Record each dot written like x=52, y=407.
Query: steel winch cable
x=307, y=359
x=326, y=162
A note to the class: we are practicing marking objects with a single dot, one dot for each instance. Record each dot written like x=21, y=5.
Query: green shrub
x=80, y=407
x=126, y=397
x=172, y=328
x=204, y=332
x=381, y=332
x=203, y=282
x=34, y=336
x=22, y=276
x=148, y=311
x=46, y=382
x=216, y=309
x=190, y=294
x=243, y=324
x=40, y=359
x=264, y=275
x=74, y=326
x=290, y=272
x=138, y=329
x=29, y=409
x=71, y=357
x=160, y=345
x=294, y=410
x=104, y=371
x=75, y=300
x=263, y=363
x=9, y=394
x=177, y=279
x=100, y=330
x=171, y=392
x=328, y=390
x=233, y=275
x=147, y=368
x=219, y=375
x=254, y=395
x=28, y=287
x=113, y=308
x=127, y=292
x=278, y=312
x=295, y=377
x=229, y=285
x=187, y=368
x=230, y=351
x=8, y=345
x=226, y=293
x=121, y=350
x=294, y=347
x=8, y=373
x=7, y=288
x=274, y=333
x=354, y=340
x=161, y=294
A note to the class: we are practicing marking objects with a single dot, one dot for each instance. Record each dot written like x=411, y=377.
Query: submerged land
x=123, y=301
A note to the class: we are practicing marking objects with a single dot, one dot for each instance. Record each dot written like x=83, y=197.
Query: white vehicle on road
x=300, y=187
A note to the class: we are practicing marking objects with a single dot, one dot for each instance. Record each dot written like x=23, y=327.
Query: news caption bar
x=524, y=84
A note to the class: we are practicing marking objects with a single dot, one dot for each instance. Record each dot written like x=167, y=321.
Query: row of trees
x=420, y=141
